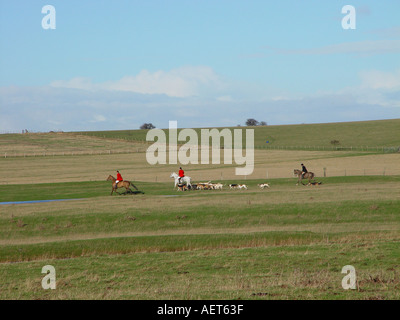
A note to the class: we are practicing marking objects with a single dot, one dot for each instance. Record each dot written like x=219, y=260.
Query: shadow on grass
x=130, y=192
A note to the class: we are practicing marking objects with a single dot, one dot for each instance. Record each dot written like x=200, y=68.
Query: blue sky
x=117, y=64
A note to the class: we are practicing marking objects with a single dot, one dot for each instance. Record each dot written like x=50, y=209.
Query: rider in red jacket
x=181, y=174
x=119, y=177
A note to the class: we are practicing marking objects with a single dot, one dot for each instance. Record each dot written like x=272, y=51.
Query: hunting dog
x=182, y=187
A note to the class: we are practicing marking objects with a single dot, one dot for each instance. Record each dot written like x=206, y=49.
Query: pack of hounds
x=217, y=186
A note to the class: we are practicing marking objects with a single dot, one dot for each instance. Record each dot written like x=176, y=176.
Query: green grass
x=65, y=222
x=287, y=242
x=383, y=133
x=52, y=191
x=266, y=272
x=209, y=211
x=90, y=189
x=130, y=135
x=359, y=135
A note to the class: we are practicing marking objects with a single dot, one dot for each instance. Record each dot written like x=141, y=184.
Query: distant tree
x=147, y=126
x=252, y=122
x=263, y=123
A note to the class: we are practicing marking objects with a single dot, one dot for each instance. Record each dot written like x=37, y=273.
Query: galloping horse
x=308, y=175
x=185, y=179
x=121, y=184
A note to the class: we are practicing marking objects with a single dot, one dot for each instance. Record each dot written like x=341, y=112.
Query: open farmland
x=286, y=242
x=374, y=134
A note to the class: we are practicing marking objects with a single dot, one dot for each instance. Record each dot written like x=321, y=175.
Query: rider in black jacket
x=303, y=170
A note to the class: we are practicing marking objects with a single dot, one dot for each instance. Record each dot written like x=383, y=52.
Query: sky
x=113, y=65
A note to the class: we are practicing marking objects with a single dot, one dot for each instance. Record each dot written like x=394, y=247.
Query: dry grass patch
x=274, y=163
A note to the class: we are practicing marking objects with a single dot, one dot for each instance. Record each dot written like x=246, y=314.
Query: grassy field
x=286, y=242
x=382, y=133
x=62, y=143
x=133, y=166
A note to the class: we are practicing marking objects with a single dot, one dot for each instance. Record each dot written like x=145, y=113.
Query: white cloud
x=98, y=118
x=376, y=79
x=181, y=82
x=377, y=88
x=225, y=98
x=79, y=104
x=75, y=83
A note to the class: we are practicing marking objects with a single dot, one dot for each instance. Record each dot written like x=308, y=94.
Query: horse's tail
x=131, y=184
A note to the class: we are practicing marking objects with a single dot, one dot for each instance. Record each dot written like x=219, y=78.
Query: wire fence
x=70, y=153
x=15, y=154
x=320, y=172
x=380, y=149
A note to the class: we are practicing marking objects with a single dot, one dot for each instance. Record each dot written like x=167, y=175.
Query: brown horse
x=121, y=184
x=308, y=175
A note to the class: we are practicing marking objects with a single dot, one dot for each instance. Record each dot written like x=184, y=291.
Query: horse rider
x=303, y=170
x=181, y=174
x=119, y=178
